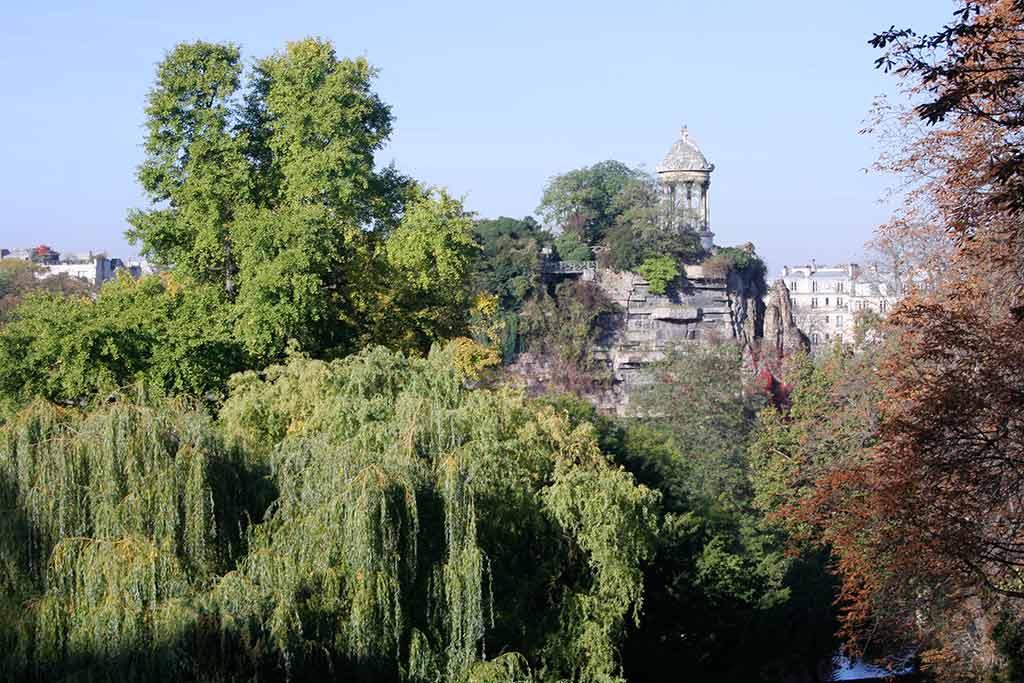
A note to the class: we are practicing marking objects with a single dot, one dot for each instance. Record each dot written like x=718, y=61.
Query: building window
x=814, y=286
x=839, y=302
x=826, y=302
x=814, y=337
x=881, y=306
x=814, y=302
x=826, y=320
x=839, y=286
x=792, y=286
x=839, y=321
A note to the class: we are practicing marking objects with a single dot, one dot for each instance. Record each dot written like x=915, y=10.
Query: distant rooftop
x=812, y=270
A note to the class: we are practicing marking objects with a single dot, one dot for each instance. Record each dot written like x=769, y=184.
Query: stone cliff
x=704, y=308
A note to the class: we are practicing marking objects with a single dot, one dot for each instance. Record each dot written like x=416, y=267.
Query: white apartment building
x=93, y=269
x=826, y=299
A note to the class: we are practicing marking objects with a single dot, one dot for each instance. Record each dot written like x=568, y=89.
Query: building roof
x=843, y=271
x=685, y=155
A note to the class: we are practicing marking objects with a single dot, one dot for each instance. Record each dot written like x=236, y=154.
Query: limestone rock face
x=703, y=309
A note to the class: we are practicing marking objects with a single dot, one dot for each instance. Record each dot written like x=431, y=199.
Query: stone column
x=707, y=207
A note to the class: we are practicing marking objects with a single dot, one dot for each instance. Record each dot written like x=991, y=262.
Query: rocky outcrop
x=781, y=334
x=703, y=308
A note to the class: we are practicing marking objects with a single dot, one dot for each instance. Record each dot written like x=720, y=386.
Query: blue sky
x=489, y=99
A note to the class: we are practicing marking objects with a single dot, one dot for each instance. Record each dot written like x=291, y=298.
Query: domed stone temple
x=685, y=177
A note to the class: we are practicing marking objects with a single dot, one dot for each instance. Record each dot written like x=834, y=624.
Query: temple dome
x=685, y=155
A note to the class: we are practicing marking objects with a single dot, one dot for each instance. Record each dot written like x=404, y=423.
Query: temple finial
x=684, y=133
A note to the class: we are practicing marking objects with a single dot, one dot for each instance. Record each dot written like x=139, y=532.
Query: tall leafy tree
x=582, y=201
x=430, y=257
x=196, y=171
x=304, y=254
x=268, y=187
x=640, y=230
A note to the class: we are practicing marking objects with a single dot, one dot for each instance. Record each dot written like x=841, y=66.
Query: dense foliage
x=176, y=337
x=290, y=456
x=278, y=229
x=418, y=531
x=723, y=581
x=563, y=328
x=508, y=265
x=583, y=201
x=614, y=212
x=267, y=189
x=901, y=454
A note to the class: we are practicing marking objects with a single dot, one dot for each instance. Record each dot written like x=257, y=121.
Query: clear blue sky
x=490, y=100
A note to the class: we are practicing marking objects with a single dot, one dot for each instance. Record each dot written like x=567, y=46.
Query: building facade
x=685, y=178
x=827, y=299
x=94, y=268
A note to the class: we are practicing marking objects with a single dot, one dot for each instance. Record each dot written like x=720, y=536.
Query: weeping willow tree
x=419, y=531
x=115, y=523
x=428, y=532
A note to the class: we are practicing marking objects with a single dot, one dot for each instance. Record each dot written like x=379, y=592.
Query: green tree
x=406, y=528
x=437, y=519
x=195, y=169
x=116, y=522
x=797, y=450
x=721, y=580
x=279, y=228
x=718, y=557
x=699, y=400
x=508, y=264
x=430, y=256
x=569, y=246
x=583, y=201
x=269, y=188
x=640, y=232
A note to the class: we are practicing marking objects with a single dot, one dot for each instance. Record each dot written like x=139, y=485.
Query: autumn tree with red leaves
x=925, y=519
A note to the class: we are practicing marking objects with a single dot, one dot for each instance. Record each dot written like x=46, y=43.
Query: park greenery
x=295, y=453
x=612, y=212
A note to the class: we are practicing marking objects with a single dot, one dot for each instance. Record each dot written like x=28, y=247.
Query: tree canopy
x=277, y=226
x=615, y=212
x=416, y=528
x=265, y=184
